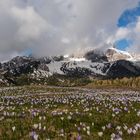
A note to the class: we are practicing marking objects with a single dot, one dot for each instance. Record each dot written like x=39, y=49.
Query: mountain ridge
x=111, y=64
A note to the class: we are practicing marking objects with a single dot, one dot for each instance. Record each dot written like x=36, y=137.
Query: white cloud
x=137, y=28
x=65, y=40
x=131, y=33
x=31, y=24
x=122, y=33
x=135, y=36
x=50, y=27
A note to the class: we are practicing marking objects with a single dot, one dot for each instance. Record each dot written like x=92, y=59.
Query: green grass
x=68, y=113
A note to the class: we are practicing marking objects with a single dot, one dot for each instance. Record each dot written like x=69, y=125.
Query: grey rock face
x=123, y=68
x=96, y=56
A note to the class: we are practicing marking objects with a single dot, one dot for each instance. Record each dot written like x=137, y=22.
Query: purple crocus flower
x=79, y=137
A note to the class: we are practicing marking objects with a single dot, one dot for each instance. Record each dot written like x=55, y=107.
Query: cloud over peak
x=50, y=27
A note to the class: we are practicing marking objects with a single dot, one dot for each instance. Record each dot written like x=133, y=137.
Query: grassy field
x=50, y=113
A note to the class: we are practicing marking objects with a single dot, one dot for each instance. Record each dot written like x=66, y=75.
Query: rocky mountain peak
x=114, y=54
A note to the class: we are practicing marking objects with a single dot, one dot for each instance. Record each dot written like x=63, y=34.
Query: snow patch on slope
x=77, y=59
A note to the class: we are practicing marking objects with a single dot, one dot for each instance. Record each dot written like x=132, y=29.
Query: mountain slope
x=124, y=68
x=110, y=64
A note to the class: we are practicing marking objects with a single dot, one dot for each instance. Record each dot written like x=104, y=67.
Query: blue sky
x=27, y=52
x=123, y=44
x=129, y=16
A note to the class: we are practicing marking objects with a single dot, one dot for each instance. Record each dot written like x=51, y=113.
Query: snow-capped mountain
x=111, y=63
x=114, y=54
